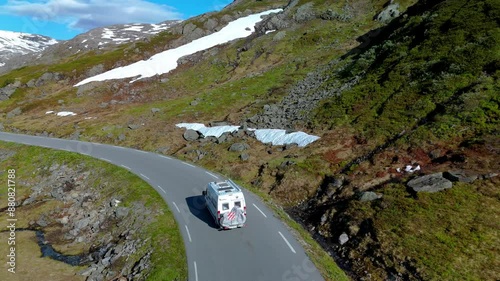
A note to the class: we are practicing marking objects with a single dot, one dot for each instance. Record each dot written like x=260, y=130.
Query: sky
x=64, y=19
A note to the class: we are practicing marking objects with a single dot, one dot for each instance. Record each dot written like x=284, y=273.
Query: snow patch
x=66, y=113
x=280, y=137
x=166, y=61
x=273, y=136
x=49, y=112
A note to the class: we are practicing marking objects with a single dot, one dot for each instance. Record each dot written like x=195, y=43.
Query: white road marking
x=195, y=272
x=162, y=189
x=189, y=235
x=125, y=167
x=212, y=175
x=288, y=243
x=144, y=176
x=188, y=164
x=259, y=210
x=176, y=207
x=166, y=157
x=106, y=159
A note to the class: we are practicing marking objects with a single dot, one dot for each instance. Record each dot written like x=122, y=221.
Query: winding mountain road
x=264, y=250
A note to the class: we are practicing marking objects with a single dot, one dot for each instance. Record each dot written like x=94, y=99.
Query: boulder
x=369, y=196
x=14, y=112
x=239, y=147
x=390, y=12
x=430, y=183
x=155, y=110
x=244, y=156
x=343, y=238
x=460, y=176
x=191, y=135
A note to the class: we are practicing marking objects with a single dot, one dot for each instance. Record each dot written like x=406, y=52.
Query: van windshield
x=225, y=206
x=237, y=204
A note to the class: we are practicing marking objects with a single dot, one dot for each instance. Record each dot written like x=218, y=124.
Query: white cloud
x=88, y=14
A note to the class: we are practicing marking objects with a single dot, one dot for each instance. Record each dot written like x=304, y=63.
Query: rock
x=343, y=238
x=490, y=176
x=47, y=76
x=430, y=183
x=435, y=154
x=42, y=221
x=87, y=271
x=15, y=112
x=194, y=103
x=1, y=127
x=103, y=104
x=31, y=83
x=155, y=110
x=390, y=12
x=95, y=70
x=121, y=137
x=239, y=147
x=304, y=13
x=244, y=156
x=222, y=138
x=133, y=126
x=460, y=176
x=191, y=135
x=121, y=212
x=163, y=149
x=369, y=196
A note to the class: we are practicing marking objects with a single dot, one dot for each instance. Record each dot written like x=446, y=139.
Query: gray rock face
x=369, y=196
x=155, y=110
x=15, y=112
x=390, y=12
x=460, y=176
x=7, y=91
x=239, y=147
x=191, y=135
x=244, y=156
x=343, y=238
x=430, y=183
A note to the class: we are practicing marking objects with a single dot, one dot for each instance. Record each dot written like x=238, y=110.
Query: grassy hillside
x=420, y=89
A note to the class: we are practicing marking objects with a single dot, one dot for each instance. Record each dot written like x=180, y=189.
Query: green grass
x=169, y=258
x=448, y=235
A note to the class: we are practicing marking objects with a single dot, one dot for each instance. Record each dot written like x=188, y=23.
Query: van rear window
x=225, y=206
x=237, y=204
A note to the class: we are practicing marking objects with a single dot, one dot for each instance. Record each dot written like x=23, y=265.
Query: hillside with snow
x=16, y=43
x=105, y=37
x=166, y=61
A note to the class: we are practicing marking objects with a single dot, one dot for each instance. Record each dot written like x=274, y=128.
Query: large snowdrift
x=166, y=61
x=273, y=136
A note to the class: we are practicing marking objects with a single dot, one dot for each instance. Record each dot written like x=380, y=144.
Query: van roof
x=225, y=187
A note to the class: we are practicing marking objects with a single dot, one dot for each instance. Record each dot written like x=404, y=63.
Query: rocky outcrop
x=430, y=183
x=88, y=217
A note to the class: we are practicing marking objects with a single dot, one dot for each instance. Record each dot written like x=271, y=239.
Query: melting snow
x=49, y=112
x=215, y=131
x=166, y=61
x=133, y=28
x=66, y=113
x=280, y=137
x=273, y=136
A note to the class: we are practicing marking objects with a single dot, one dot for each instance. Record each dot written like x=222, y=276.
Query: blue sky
x=64, y=19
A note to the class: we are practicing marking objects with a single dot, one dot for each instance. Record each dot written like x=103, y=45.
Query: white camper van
x=226, y=203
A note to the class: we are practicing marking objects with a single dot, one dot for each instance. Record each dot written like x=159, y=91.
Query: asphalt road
x=264, y=250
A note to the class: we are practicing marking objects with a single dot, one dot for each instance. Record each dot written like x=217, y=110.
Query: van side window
x=225, y=206
x=237, y=204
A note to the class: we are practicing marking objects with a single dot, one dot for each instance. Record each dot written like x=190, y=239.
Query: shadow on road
x=197, y=207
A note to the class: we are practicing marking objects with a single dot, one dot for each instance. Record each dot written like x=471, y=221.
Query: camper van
x=226, y=203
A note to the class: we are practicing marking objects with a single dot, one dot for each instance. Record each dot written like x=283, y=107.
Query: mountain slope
x=383, y=93
x=15, y=44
